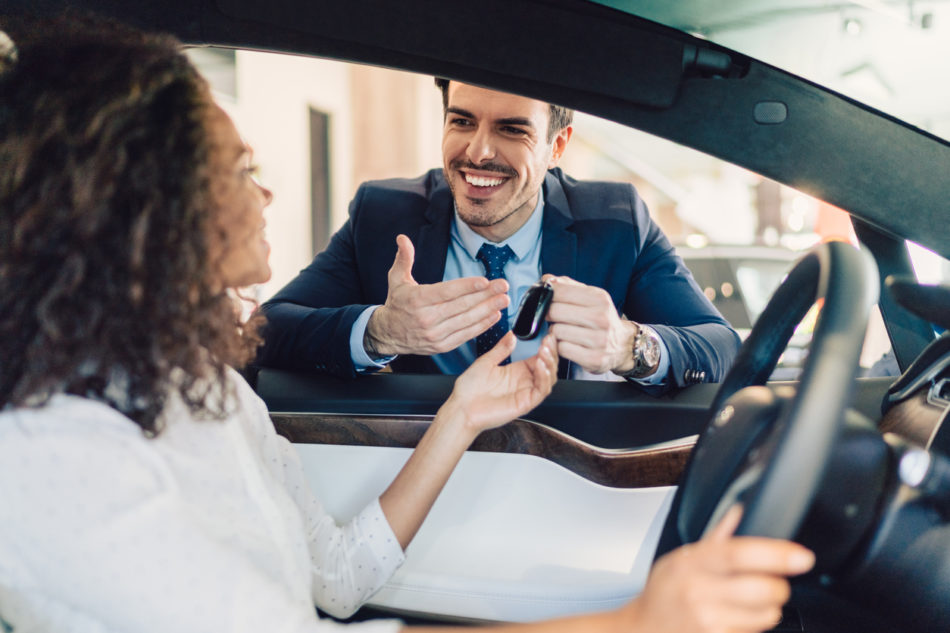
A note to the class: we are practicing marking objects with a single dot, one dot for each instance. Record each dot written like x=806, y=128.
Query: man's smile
x=482, y=185
x=483, y=181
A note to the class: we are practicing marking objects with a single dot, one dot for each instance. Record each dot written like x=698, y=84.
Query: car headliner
x=611, y=64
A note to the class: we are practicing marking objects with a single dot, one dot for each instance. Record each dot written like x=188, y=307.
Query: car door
x=553, y=514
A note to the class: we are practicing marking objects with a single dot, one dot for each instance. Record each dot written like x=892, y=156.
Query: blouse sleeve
x=348, y=562
x=94, y=536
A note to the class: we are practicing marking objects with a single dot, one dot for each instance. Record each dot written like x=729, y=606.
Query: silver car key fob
x=534, y=307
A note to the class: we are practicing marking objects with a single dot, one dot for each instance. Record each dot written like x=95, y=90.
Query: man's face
x=495, y=153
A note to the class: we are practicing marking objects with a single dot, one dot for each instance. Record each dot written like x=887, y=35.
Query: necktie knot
x=494, y=259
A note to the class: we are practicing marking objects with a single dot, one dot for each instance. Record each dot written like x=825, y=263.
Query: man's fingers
x=560, y=279
x=471, y=315
x=453, y=297
x=460, y=295
x=588, y=338
x=582, y=315
x=401, y=271
x=575, y=303
x=583, y=356
x=567, y=290
x=454, y=338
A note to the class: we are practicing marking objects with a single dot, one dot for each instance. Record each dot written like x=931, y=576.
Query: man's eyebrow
x=513, y=120
x=516, y=120
x=460, y=112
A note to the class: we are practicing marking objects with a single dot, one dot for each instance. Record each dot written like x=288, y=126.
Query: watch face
x=651, y=351
x=646, y=352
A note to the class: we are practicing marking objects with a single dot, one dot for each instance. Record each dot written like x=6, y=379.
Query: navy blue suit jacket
x=598, y=233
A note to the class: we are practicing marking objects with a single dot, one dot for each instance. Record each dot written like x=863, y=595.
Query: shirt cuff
x=659, y=376
x=361, y=360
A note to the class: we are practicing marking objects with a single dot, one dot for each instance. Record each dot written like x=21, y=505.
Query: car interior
x=565, y=510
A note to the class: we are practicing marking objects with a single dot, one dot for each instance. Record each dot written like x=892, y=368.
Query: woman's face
x=236, y=244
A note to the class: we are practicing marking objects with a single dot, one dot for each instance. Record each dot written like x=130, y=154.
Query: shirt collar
x=523, y=240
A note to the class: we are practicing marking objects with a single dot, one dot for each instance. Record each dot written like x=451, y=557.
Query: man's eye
x=508, y=129
x=461, y=122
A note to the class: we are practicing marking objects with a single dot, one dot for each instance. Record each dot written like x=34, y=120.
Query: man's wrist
x=646, y=350
x=627, y=364
x=372, y=343
x=362, y=361
x=369, y=345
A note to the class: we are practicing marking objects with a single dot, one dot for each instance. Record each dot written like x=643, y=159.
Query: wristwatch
x=646, y=352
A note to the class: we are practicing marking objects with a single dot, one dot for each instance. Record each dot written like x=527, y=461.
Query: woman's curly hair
x=106, y=288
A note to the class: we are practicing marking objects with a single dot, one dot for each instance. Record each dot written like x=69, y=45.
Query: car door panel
x=512, y=537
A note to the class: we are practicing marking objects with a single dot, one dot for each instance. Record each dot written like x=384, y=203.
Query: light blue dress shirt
x=521, y=272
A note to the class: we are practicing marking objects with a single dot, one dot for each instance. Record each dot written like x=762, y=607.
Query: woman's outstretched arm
x=487, y=395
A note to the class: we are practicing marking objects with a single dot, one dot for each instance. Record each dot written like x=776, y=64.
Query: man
x=471, y=238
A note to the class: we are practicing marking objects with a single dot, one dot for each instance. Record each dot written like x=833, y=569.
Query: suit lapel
x=558, y=243
x=432, y=244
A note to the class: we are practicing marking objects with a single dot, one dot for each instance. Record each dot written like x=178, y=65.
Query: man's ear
x=559, y=145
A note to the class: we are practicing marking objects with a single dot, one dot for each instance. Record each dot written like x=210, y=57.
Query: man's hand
x=588, y=329
x=721, y=584
x=488, y=394
x=434, y=318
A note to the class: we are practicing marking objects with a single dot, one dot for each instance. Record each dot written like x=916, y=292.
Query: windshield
x=888, y=54
x=320, y=128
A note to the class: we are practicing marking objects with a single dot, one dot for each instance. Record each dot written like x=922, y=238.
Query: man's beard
x=488, y=217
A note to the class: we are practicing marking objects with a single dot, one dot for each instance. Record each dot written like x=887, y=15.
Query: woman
x=143, y=487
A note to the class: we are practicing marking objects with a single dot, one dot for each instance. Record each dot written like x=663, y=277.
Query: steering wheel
x=768, y=450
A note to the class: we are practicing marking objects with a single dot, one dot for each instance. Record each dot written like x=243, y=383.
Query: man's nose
x=481, y=147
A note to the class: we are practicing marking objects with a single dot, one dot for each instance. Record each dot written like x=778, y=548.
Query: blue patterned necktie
x=494, y=259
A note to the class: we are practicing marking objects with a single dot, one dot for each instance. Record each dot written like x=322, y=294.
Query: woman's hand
x=721, y=584
x=485, y=396
x=488, y=394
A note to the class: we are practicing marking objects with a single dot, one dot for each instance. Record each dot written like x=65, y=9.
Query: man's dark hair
x=558, y=119
x=106, y=288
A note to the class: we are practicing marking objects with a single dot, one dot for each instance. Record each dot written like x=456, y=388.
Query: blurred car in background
x=739, y=279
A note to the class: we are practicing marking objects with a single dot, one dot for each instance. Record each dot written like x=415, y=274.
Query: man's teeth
x=483, y=181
